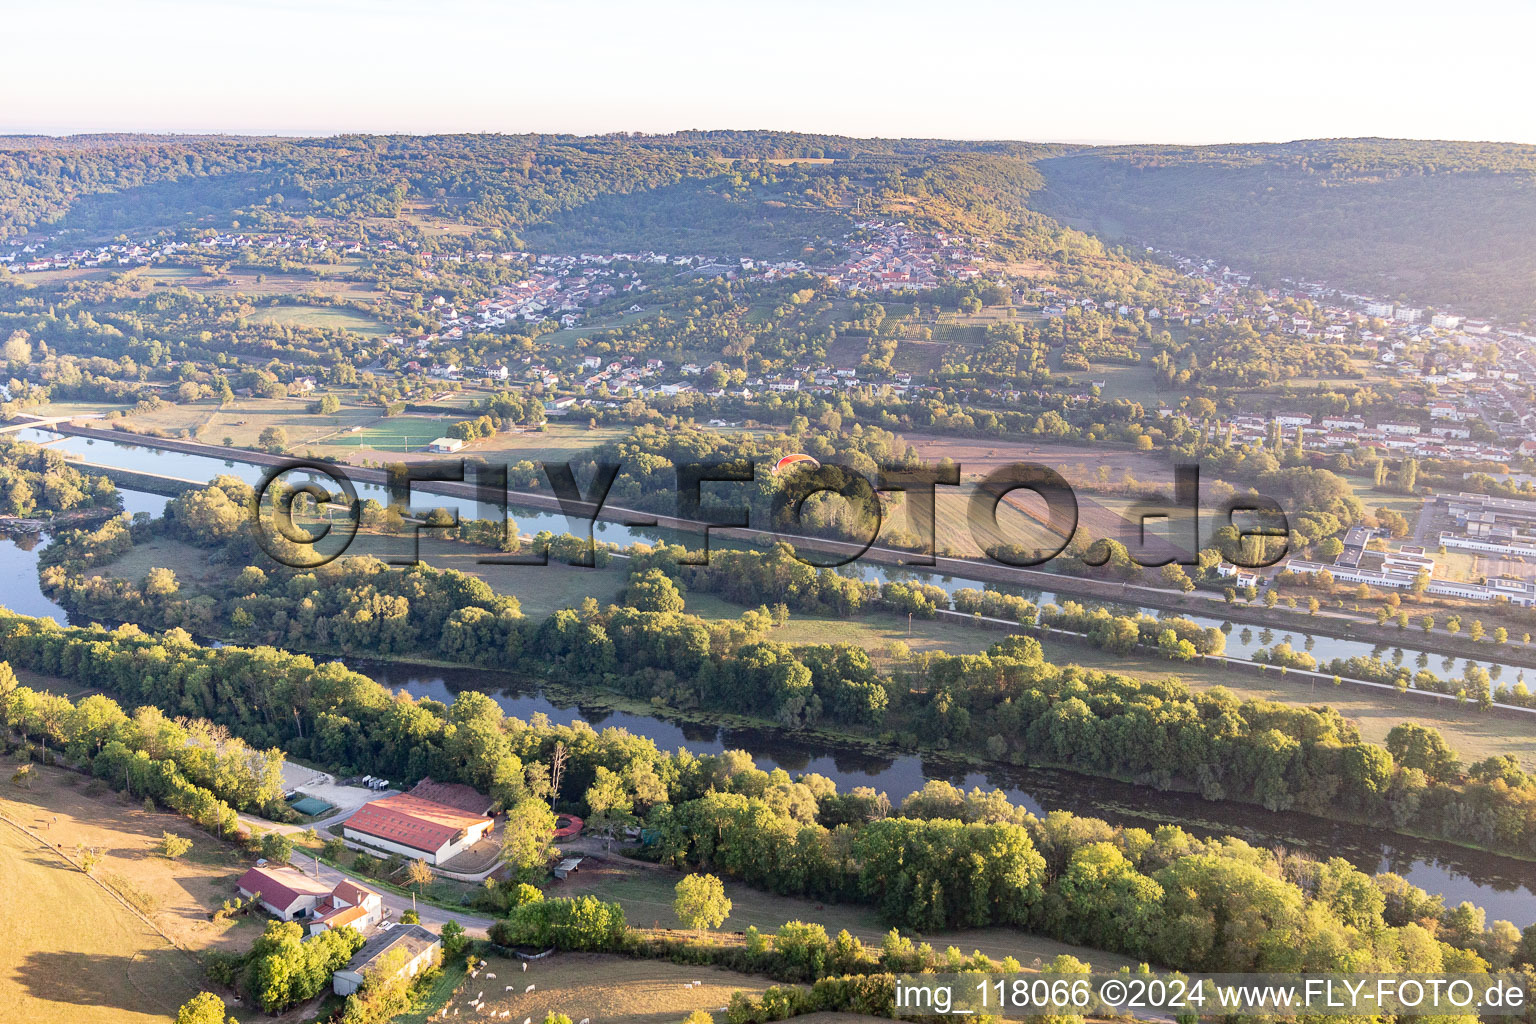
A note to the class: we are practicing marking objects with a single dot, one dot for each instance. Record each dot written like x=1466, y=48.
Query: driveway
x=433, y=917
x=345, y=799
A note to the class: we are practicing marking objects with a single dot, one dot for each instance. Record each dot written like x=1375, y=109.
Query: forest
x=944, y=859
x=1445, y=223
x=1007, y=704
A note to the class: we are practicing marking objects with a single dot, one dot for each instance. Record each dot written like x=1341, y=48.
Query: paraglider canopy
x=791, y=461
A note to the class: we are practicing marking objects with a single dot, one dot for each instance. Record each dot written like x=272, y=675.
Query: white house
x=348, y=904
x=289, y=895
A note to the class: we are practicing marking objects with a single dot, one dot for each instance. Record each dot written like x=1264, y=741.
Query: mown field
x=647, y=893
x=71, y=952
x=327, y=317
x=324, y=280
x=241, y=422
x=70, y=810
x=603, y=988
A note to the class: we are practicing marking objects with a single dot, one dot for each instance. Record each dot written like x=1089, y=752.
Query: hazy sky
x=1092, y=70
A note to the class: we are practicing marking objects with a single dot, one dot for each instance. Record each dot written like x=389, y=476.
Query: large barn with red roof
x=416, y=826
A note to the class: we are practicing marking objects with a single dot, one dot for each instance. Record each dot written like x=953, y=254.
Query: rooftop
x=412, y=821
x=280, y=886
x=412, y=938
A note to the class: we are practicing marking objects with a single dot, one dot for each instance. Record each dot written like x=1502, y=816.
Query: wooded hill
x=1427, y=222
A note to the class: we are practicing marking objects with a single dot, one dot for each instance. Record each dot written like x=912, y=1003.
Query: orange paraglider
x=791, y=461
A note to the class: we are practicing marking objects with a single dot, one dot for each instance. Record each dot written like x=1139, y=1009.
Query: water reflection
x=1498, y=884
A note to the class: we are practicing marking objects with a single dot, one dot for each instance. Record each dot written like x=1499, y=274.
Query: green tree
x=1415, y=746
x=453, y=938
x=701, y=902
x=173, y=845
x=528, y=842
x=276, y=847
x=203, y=1008
x=273, y=439
x=653, y=591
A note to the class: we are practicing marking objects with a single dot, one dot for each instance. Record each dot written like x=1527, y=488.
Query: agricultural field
x=71, y=951
x=325, y=317
x=601, y=987
x=257, y=283
x=1137, y=382
x=177, y=895
x=240, y=423
x=556, y=442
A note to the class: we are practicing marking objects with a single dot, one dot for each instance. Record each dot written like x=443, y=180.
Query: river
x=1501, y=885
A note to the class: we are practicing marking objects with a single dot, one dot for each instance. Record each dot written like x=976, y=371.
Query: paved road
x=432, y=916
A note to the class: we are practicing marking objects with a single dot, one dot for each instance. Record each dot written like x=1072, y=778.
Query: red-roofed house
x=410, y=825
x=290, y=894
x=348, y=904
x=284, y=892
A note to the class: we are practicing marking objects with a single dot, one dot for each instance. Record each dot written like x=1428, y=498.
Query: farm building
x=416, y=827
x=291, y=895
x=419, y=945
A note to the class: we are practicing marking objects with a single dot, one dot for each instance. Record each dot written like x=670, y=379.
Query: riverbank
x=22, y=525
x=951, y=761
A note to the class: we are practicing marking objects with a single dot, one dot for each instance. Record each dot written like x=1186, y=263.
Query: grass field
x=322, y=317
x=257, y=283
x=396, y=434
x=177, y=895
x=189, y=563
x=1136, y=382
x=71, y=952
x=557, y=442
x=604, y=988
x=647, y=893
x=243, y=420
